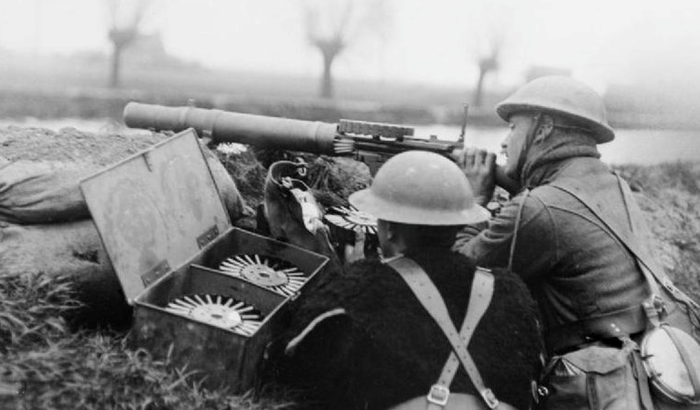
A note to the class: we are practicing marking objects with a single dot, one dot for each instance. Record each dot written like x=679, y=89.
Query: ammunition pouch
x=591, y=368
x=594, y=377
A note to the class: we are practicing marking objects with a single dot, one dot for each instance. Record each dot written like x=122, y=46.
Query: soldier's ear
x=391, y=231
x=389, y=238
x=545, y=128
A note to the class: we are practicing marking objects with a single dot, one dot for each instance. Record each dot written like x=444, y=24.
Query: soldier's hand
x=357, y=251
x=480, y=168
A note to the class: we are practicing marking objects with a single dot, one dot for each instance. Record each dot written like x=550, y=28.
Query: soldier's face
x=514, y=143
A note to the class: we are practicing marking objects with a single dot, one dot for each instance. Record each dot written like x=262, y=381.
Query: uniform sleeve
x=535, y=248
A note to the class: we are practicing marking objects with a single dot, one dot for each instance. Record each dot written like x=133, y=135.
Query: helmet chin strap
x=529, y=140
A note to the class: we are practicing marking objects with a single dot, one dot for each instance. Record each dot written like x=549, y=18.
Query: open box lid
x=155, y=210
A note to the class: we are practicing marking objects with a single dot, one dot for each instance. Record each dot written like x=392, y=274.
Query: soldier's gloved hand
x=292, y=212
x=479, y=166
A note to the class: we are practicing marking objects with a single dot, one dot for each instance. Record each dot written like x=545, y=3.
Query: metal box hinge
x=208, y=236
x=156, y=272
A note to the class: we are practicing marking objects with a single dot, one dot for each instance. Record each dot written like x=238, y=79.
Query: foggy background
x=406, y=61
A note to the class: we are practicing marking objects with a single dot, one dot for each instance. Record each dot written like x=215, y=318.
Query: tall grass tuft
x=45, y=365
x=668, y=195
x=679, y=175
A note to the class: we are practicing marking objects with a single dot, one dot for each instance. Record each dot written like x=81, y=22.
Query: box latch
x=208, y=236
x=156, y=272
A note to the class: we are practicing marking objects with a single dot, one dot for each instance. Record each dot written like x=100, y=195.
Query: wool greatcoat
x=573, y=265
x=362, y=340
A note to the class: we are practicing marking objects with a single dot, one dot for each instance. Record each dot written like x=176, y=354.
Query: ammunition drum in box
x=207, y=296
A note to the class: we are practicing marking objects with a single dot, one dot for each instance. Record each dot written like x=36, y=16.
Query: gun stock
x=372, y=143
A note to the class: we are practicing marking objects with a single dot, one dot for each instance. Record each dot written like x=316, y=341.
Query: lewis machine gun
x=367, y=142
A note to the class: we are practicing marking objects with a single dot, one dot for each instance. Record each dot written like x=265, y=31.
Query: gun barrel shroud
x=224, y=126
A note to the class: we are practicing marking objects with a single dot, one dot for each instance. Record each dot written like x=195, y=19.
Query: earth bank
x=39, y=348
x=668, y=194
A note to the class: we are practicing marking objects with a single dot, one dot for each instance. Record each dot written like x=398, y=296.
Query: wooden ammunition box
x=166, y=231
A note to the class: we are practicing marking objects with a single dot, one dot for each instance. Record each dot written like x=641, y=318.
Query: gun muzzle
x=224, y=126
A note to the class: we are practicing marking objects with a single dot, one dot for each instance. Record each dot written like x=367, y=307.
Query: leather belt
x=620, y=323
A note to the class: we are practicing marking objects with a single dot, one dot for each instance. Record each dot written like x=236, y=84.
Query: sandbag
x=48, y=192
x=228, y=191
x=45, y=227
x=52, y=249
x=42, y=192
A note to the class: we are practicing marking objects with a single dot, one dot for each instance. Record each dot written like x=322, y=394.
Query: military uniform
x=588, y=285
x=361, y=340
x=575, y=268
x=576, y=237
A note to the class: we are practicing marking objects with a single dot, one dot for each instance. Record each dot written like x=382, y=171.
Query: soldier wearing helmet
x=362, y=339
x=588, y=285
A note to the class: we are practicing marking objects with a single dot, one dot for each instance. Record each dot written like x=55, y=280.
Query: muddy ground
x=72, y=145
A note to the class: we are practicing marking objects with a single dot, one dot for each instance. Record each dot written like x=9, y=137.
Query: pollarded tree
x=126, y=19
x=489, y=27
x=488, y=61
x=333, y=25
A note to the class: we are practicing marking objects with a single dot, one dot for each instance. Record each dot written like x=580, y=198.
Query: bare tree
x=488, y=61
x=125, y=24
x=489, y=25
x=332, y=25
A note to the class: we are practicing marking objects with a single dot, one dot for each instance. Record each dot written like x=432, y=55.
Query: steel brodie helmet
x=420, y=188
x=561, y=95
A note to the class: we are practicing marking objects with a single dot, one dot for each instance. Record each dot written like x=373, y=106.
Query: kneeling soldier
x=382, y=333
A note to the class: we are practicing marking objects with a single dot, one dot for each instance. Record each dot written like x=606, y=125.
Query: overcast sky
x=424, y=41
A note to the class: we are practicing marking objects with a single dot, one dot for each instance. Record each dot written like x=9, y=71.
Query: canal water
x=631, y=146
x=636, y=146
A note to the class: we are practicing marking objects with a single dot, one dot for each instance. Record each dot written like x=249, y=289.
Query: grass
x=681, y=175
x=48, y=364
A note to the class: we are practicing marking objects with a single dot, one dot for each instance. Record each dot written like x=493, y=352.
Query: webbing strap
x=653, y=273
x=428, y=295
x=479, y=300
x=648, y=268
x=518, y=217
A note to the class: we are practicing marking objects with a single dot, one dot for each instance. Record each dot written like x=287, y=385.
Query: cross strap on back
x=428, y=295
